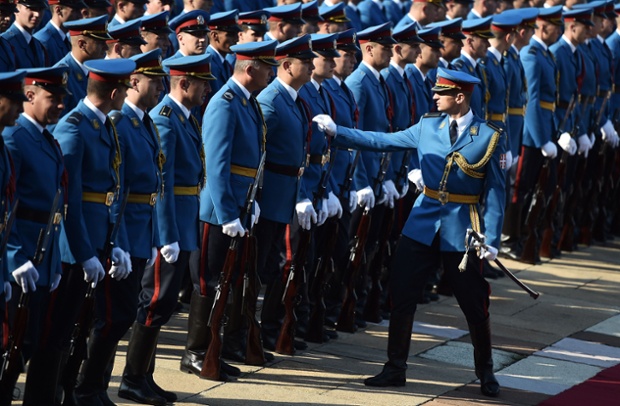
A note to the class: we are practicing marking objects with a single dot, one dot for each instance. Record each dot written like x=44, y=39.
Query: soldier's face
x=309, y=28
x=289, y=30
x=67, y=13
x=457, y=9
x=5, y=19
x=479, y=46
x=197, y=90
x=451, y=48
x=29, y=18
x=149, y=88
x=133, y=11
x=46, y=107
x=127, y=50
x=381, y=55
x=94, y=48
x=324, y=67
x=9, y=111
x=225, y=40
x=410, y=52
x=448, y=102
x=193, y=44
x=345, y=63
x=579, y=32
x=262, y=75
x=249, y=35
x=156, y=6
x=429, y=56
x=154, y=41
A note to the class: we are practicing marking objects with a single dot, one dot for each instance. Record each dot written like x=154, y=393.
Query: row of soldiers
x=185, y=203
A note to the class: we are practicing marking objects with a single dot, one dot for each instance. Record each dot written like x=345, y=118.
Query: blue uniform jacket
x=7, y=56
x=355, y=17
x=287, y=130
x=5, y=202
x=540, y=75
x=373, y=103
x=517, y=94
x=432, y=139
x=318, y=104
x=371, y=14
x=142, y=176
x=182, y=146
x=232, y=133
x=406, y=20
x=479, y=95
x=55, y=47
x=589, y=87
x=346, y=115
x=569, y=69
x=38, y=173
x=613, y=42
x=76, y=82
x=25, y=56
x=89, y=151
x=497, y=87
x=221, y=69
x=604, y=60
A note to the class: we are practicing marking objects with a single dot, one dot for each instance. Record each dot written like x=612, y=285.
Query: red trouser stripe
x=156, y=289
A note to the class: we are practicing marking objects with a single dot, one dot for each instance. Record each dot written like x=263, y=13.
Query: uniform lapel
x=467, y=137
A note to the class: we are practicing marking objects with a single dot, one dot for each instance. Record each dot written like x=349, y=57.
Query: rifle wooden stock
x=294, y=276
x=554, y=207
x=254, y=354
x=346, y=319
x=574, y=196
x=320, y=282
x=211, y=364
x=12, y=362
x=537, y=206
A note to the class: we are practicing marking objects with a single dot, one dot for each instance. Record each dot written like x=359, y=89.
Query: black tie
x=148, y=123
x=454, y=133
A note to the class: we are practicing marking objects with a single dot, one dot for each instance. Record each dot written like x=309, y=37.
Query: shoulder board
x=433, y=114
x=458, y=63
x=165, y=111
x=228, y=95
x=116, y=116
x=532, y=50
x=75, y=118
x=495, y=127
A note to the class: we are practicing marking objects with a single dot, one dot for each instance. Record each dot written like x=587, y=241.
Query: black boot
x=199, y=337
x=91, y=379
x=142, y=345
x=483, y=358
x=399, y=340
x=511, y=245
x=272, y=314
x=169, y=396
x=42, y=378
x=234, y=340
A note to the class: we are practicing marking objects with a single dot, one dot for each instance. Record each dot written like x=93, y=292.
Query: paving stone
x=459, y=353
x=610, y=326
x=584, y=352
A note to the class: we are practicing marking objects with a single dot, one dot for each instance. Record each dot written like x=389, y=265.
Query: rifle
x=557, y=199
x=325, y=266
x=346, y=319
x=372, y=309
x=537, y=205
x=212, y=363
x=12, y=362
x=295, y=275
x=83, y=323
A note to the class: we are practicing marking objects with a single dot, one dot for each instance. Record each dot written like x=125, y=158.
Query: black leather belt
x=288, y=170
x=37, y=216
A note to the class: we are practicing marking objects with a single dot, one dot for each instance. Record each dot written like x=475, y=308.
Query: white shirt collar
x=513, y=46
x=463, y=121
x=292, y=92
x=378, y=3
x=600, y=38
x=80, y=64
x=60, y=32
x=420, y=72
x=217, y=53
x=328, y=3
x=618, y=30
x=119, y=19
x=184, y=109
x=496, y=53
x=26, y=34
x=353, y=6
x=245, y=91
x=400, y=70
x=337, y=80
x=140, y=113
x=33, y=121
x=373, y=70
x=540, y=41
x=444, y=62
x=570, y=44
x=316, y=84
x=102, y=117
x=477, y=14
x=469, y=58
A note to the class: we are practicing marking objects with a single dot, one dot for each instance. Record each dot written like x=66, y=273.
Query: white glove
x=256, y=214
x=584, y=144
x=334, y=208
x=352, y=200
x=608, y=132
x=549, y=150
x=93, y=271
x=515, y=160
x=567, y=143
x=233, y=228
x=323, y=212
x=7, y=291
x=508, y=160
x=384, y=196
x=151, y=261
x=306, y=215
x=326, y=124
x=403, y=192
x=118, y=270
x=592, y=138
x=26, y=276
x=366, y=197
x=390, y=192
x=486, y=251
x=170, y=252
x=415, y=177
x=55, y=282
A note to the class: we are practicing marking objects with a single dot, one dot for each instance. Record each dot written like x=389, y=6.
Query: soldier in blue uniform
x=234, y=137
x=334, y=17
x=372, y=14
x=284, y=22
x=96, y=8
x=117, y=295
x=155, y=32
x=353, y=13
x=252, y=28
x=191, y=32
x=53, y=36
x=482, y=9
x=126, y=40
x=88, y=42
x=288, y=143
x=452, y=39
x=458, y=8
x=127, y=10
x=29, y=53
x=92, y=157
x=449, y=206
x=310, y=15
x=177, y=218
x=613, y=42
x=7, y=54
x=222, y=35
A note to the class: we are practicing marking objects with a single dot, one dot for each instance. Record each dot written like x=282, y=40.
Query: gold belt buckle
x=57, y=218
x=301, y=171
x=443, y=197
x=325, y=158
x=109, y=198
x=153, y=199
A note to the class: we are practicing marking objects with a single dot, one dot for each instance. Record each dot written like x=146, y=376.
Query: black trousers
x=412, y=264
x=270, y=239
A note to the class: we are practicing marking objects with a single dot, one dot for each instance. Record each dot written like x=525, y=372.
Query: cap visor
x=329, y=54
x=160, y=30
x=349, y=47
x=297, y=21
x=270, y=61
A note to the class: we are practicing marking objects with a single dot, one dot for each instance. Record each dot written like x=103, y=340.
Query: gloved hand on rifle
x=508, y=160
x=391, y=194
x=256, y=214
x=323, y=213
x=415, y=177
x=567, y=143
x=93, y=271
x=233, y=228
x=306, y=215
x=170, y=252
x=334, y=208
x=55, y=282
x=8, y=290
x=584, y=145
x=26, y=276
x=610, y=135
x=119, y=270
x=352, y=200
x=326, y=124
x=153, y=258
x=486, y=251
x=366, y=197
x=549, y=150
x=404, y=190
